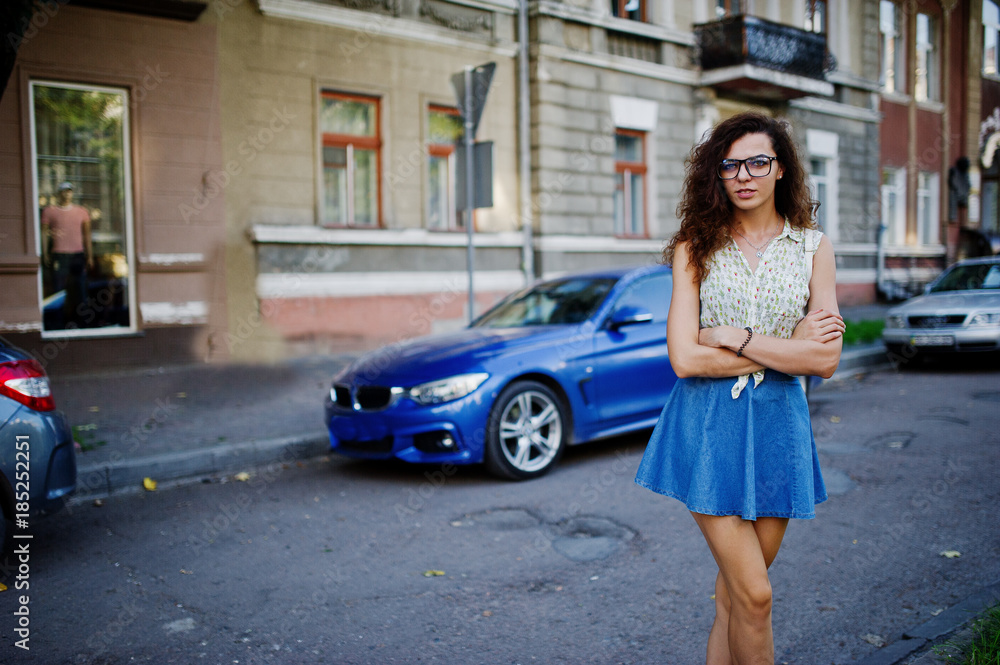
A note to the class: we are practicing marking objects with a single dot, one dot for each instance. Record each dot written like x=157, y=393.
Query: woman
x=753, y=305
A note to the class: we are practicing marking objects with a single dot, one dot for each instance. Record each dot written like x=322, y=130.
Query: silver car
x=959, y=312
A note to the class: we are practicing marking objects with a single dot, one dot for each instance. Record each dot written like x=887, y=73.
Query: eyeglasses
x=757, y=167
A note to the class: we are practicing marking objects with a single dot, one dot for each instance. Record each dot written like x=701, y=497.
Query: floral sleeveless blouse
x=771, y=300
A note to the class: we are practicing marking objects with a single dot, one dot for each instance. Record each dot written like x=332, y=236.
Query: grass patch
x=85, y=437
x=984, y=649
x=861, y=332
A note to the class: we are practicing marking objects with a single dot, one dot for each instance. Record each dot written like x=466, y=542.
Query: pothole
x=590, y=538
x=500, y=519
x=987, y=395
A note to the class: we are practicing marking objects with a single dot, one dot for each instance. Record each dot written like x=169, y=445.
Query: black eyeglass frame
x=742, y=163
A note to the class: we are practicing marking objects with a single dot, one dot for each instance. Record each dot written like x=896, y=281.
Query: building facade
x=111, y=118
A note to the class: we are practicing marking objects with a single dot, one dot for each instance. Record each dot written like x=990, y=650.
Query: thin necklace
x=760, y=250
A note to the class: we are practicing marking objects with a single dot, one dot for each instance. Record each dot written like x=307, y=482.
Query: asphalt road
x=340, y=561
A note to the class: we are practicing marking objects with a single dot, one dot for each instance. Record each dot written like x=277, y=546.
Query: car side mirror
x=629, y=315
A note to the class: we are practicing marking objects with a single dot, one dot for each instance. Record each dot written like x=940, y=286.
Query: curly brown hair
x=706, y=212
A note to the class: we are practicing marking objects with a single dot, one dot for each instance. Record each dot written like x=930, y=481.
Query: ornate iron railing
x=737, y=40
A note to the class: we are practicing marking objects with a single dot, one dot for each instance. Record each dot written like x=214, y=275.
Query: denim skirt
x=753, y=456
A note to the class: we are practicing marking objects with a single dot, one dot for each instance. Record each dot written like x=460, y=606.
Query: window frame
x=455, y=221
x=898, y=38
x=809, y=24
x=618, y=10
x=991, y=29
x=927, y=79
x=349, y=141
x=894, y=220
x=725, y=8
x=127, y=202
x=928, y=208
x=623, y=169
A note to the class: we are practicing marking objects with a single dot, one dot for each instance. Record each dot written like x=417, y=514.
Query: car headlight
x=446, y=390
x=985, y=319
x=895, y=321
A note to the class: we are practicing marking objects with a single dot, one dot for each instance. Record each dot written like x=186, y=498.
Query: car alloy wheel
x=527, y=431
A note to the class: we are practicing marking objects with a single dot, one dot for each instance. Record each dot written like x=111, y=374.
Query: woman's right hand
x=820, y=326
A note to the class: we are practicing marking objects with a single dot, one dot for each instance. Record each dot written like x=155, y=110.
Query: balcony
x=762, y=59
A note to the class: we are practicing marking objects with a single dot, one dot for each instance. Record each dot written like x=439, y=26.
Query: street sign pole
x=470, y=205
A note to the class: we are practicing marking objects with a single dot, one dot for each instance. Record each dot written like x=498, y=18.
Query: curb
x=931, y=632
x=863, y=358
x=105, y=479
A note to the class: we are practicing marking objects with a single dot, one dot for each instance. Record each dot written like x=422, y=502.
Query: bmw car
x=959, y=312
x=562, y=362
x=37, y=456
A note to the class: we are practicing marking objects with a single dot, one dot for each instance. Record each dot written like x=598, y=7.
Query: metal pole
x=524, y=142
x=470, y=205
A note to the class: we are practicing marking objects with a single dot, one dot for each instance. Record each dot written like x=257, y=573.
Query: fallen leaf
x=242, y=476
x=951, y=554
x=186, y=572
x=433, y=573
x=834, y=419
x=149, y=484
x=3, y=587
x=98, y=503
x=182, y=395
x=712, y=596
x=487, y=613
x=94, y=409
x=874, y=640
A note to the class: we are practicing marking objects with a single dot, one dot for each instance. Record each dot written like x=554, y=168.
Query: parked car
x=37, y=455
x=562, y=362
x=959, y=312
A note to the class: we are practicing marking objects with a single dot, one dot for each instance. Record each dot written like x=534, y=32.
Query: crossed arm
x=813, y=349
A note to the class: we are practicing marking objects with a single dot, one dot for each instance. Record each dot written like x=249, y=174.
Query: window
x=724, y=8
x=351, y=154
x=81, y=158
x=893, y=205
x=891, y=49
x=928, y=208
x=445, y=131
x=630, y=183
x=925, y=87
x=824, y=176
x=991, y=38
x=634, y=10
x=652, y=293
x=816, y=16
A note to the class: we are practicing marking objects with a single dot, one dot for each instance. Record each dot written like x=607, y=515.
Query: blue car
x=37, y=457
x=562, y=362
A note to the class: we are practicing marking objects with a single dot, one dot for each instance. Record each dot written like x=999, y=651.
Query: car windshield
x=562, y=301
x=969, y=278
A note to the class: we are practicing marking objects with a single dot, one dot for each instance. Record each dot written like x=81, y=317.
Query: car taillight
x=25, y=381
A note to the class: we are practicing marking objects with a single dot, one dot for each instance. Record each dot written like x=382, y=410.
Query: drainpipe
x=524, y=143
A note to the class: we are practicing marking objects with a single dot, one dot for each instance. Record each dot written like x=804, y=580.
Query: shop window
x=351, y=160
x=445, y=131
x=991, y=38
x=83, y=173
x=928, y=208
x=891, y=47
x=630, y=183
x=816, y=16
x=926, y=76
x=634, y=10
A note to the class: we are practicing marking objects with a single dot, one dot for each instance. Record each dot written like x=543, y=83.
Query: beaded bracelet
x=745, y=342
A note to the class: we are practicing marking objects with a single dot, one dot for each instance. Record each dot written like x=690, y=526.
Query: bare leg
x=741, y=633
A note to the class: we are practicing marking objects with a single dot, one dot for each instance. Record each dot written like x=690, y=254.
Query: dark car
x=37, y=455
x=565, y=361
x=959, y=312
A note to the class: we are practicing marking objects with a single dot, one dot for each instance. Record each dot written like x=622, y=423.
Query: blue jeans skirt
x=753, y=456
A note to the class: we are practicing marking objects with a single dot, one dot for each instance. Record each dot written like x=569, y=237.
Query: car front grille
x=936, y=321
x=367, y=398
